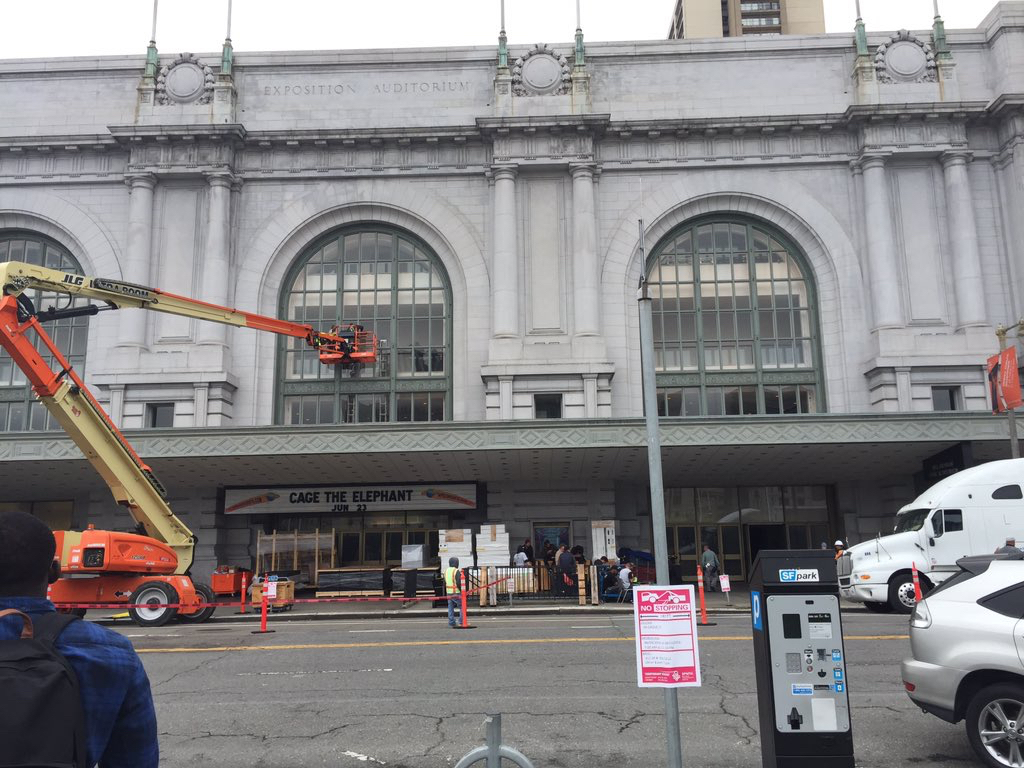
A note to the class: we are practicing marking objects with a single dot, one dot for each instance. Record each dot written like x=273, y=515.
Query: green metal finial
x=580, y=53
x=227, y=58
x=862, y=38
x=502, y=50
x=939, y=39
x=152, y=62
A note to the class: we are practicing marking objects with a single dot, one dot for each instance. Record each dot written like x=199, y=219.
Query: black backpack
x=44, y=725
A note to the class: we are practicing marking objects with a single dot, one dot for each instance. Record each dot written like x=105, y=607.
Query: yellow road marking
x=417, y=643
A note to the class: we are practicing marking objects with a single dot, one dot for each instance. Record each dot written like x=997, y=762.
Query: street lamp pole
x=675, y=750
x=1011, y=413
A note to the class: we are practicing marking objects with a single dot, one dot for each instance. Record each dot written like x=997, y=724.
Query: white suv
x=967, y=662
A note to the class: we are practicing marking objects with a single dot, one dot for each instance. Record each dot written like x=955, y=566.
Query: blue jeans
x=454, y=606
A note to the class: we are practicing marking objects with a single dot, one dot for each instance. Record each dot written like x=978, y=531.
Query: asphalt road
x=413, y=693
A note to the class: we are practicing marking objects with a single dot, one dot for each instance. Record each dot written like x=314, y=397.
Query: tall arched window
x=19, y=409
x=735, y=325
x=388, y=281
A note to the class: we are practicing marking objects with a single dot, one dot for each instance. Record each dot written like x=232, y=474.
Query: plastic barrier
x=917, y=583
x=265, y=604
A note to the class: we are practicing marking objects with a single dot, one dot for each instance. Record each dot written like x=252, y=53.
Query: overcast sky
x=36, y=28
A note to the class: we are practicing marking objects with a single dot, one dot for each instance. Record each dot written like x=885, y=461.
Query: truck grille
x=844, y=567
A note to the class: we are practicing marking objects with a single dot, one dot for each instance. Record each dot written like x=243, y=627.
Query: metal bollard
x=494, y=750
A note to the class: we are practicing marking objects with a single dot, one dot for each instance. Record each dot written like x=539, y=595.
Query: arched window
x=19, y=409
x=735, y=325
x=390, y=282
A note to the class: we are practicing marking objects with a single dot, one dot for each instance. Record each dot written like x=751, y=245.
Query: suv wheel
x=995, y=724
x=901, y=593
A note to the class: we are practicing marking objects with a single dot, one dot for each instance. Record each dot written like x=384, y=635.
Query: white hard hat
x=839, y=542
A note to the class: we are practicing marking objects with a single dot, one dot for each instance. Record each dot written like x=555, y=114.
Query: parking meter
x=800, y=660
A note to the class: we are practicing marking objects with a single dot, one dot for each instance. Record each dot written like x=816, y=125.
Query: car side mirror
x=931, y=541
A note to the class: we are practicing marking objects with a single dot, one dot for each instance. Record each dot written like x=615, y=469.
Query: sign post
x=665, y=623
x=673, y=736
x=1004, y=383
x=723, y=581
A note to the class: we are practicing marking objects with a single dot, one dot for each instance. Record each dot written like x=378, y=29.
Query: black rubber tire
x=902, y=584
x=207, y=596
x=158, y=592
x=878, y=607
x=1011, y=696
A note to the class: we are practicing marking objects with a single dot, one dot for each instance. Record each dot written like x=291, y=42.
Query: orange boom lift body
x=147, y=571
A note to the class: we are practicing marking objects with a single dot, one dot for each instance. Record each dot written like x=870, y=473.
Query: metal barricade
x=494, y=750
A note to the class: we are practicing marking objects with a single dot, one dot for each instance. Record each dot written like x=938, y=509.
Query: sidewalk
x=716, y=602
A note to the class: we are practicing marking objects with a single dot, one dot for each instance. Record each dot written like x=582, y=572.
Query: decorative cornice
x=824, y=429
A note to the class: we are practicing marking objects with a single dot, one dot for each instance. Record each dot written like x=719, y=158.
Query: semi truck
x=147, y=570
x=972, y=512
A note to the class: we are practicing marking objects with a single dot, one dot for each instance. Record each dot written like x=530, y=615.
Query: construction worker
x=453, y=589
x=839, y=548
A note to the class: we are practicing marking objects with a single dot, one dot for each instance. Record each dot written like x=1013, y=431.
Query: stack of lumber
x=456, y=542
x=492, y=546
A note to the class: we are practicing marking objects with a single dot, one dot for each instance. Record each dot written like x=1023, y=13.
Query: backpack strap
x=48, y=626
x=26, y=622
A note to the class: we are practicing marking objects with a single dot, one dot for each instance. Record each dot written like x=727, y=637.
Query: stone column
x=505, y=273
x=131, y=330
x=963, y=235
x=586, y=302
x=216, y=273
x=590, y=395
x=883, y=272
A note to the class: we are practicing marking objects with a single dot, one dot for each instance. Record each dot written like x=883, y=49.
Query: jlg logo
x=73, y=279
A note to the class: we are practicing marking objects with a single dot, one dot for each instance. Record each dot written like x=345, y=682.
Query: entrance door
x=765, y=537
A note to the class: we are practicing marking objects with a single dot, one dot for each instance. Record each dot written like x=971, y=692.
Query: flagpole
x=1011, y=413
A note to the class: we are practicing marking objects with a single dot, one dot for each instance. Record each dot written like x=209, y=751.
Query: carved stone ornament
x=541, y=72
x=905, y=59
x=186, y=81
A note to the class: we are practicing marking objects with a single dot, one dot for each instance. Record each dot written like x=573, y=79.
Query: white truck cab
x=970, y=513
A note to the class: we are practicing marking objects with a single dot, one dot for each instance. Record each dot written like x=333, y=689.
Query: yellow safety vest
x=451, y=581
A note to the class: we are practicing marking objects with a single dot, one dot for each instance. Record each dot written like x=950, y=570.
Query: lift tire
x=901, y=593
x=207, y=596
x=878, y=607
x=155, y=593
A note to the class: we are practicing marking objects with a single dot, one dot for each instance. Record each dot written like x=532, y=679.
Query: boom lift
x=148, y=570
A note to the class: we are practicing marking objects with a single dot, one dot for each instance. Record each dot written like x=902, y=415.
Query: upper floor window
x=734, y=322
x=19, y=409
x=389, y=282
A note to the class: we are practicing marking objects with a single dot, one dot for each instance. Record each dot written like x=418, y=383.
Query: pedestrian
x=626, y=578
x=839, y=548
x=453, y=588
x=528, y=549
x=579, y=555
x=548, y=553
x=109, y=703
x=675, y=570
x=709, y=562
x=566, y=570
x=1009, y=548
x=520, y=559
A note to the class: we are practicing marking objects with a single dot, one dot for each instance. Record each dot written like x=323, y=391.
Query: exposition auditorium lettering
x=354, y=89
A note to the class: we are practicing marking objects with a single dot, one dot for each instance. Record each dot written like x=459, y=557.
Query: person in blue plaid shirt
x=120, y=722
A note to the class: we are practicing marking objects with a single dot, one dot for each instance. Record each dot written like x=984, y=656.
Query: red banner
x=1004, y=381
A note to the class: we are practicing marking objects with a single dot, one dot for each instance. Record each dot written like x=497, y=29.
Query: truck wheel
x=901, y=593
x=148, y=604
x=995, y=724
x=207, y=596
x=878, y=607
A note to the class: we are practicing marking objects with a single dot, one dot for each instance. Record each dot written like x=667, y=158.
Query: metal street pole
x=1011, y=414
x=675, y=750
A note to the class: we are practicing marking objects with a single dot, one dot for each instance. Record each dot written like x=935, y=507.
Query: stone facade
x=895, y=167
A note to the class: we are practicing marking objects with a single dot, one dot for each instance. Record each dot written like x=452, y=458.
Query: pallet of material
x=492, y=546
